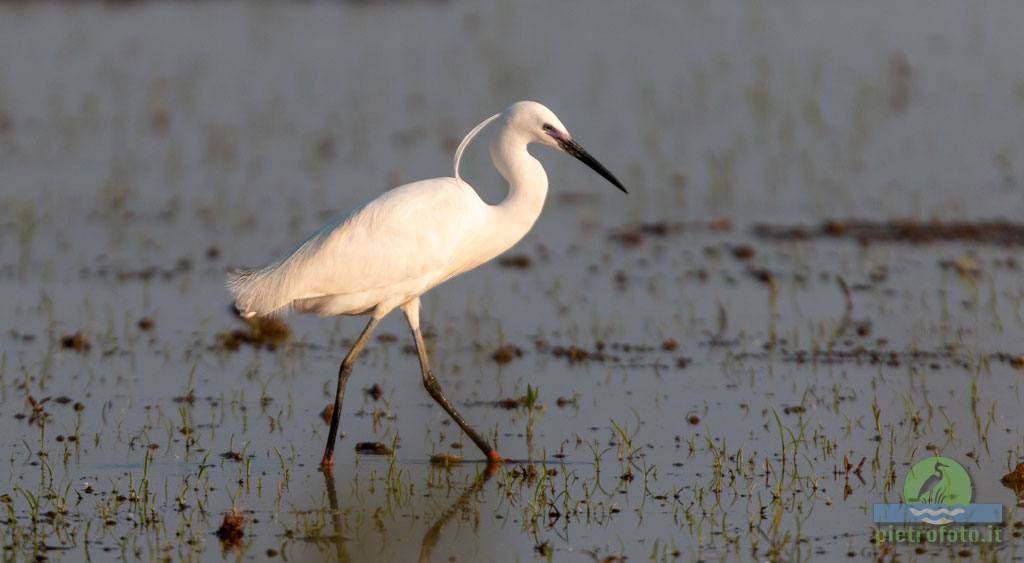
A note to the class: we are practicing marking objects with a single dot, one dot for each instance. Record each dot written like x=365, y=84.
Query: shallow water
x=698, y=386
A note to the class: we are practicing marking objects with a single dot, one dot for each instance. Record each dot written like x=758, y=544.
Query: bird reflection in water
x=432, y=535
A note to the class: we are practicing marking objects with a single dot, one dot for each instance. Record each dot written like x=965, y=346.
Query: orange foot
x=494, y=457
x=327, y=462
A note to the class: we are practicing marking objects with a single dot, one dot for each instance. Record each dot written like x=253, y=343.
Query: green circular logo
x=937, y=480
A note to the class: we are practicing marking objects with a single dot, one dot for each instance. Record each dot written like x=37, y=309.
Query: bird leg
x=434, y=389
x=344, y=371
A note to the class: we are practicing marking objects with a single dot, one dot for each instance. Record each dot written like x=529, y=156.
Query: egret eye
x=548, y=127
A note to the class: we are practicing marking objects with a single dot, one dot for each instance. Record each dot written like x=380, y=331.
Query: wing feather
x=409, y=232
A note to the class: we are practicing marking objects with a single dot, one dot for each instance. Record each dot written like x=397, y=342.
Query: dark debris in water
x=862, y=355
x=743, y=252
x=1014, y=480
x=78, y=342
x=577, y=355
x=510, y=403
x=327, y=413
x=374, y=392
x=1000, y=233
x=266, y=333
x=231, y=529
x=516, y=262
x=445, y=460
x=38, y=414
x=966, y=265
x=181, y=266
x=1015, y=476
x=563, y=402
x=22, y=336
x=604, y=352
x=763, y=275
x=373, y=448
x=634, y=235
x=506, y=354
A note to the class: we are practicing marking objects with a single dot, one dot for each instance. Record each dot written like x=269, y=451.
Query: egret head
x=540, y=125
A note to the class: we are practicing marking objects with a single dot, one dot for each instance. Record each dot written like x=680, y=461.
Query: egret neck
x=527, y=184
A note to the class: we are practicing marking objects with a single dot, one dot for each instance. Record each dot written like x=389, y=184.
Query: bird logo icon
x=939, y=487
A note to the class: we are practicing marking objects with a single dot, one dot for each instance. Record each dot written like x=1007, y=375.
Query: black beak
x=574, y=149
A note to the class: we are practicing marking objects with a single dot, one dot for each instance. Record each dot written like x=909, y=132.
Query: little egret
x=390, y=251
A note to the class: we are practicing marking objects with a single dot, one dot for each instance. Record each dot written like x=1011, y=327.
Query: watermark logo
x=938, y=491
x=937, y=483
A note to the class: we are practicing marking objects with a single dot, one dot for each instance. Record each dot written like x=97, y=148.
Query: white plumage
x=389, y=251
x=407, y=240
x=386, y=252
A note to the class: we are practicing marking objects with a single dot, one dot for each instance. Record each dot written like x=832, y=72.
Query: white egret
x=390, y=251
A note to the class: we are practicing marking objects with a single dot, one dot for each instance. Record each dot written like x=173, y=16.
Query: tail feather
x=274, y=289
x=256, y=292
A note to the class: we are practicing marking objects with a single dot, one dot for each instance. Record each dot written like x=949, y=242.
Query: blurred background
x=146, y=146
x=260, y=116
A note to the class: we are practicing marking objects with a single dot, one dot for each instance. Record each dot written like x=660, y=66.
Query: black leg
x=430, y=382
x=344, y=371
